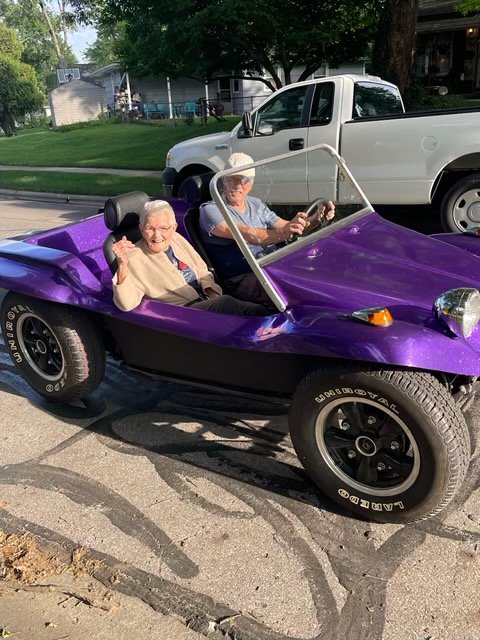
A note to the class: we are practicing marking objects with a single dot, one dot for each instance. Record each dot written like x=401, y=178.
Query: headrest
x=196, y=189
x=121, y=212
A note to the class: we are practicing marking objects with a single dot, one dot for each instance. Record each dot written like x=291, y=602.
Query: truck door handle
x=296, y=143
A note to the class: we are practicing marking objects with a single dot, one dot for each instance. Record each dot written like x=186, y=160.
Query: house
x=447, y=49
x=173, y=97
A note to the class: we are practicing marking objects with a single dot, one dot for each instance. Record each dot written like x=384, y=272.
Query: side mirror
x=265, y=129
x=247, y=123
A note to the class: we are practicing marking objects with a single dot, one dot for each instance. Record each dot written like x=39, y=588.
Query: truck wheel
x=57, y=350
x=390, y=445
x=460, y=208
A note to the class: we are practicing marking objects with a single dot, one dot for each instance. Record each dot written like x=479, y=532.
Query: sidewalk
x=115, y=172
x=45, y=196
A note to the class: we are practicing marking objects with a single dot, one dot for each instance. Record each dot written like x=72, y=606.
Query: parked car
x=398, y=158
x=374, y=342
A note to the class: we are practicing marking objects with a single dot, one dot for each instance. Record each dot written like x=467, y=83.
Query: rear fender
x=47, y=273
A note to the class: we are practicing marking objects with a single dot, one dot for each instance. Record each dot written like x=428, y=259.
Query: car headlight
x=460, y=310
x=169, y=159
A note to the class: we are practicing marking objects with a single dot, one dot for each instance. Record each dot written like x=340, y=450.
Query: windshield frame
x=257, y=264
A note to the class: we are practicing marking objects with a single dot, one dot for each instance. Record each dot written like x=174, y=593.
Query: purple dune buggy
x=374, y=341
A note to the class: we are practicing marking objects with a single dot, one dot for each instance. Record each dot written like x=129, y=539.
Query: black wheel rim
x=367, y=446
x=41, y=347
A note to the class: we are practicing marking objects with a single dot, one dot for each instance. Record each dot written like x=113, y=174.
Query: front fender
x=467, y=241
x=427, y=346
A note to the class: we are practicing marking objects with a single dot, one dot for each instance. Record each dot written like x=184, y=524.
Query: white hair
x=152, y=208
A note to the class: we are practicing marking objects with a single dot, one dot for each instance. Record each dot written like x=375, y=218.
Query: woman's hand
x=211, y=293
x=121, y=249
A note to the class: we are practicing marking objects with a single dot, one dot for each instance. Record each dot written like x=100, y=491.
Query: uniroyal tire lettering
x=366, y=504
x=17, y=357
x=11, y=315
x=346, y=391
x=9, y=326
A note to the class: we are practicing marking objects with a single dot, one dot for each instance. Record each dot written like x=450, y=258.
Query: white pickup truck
x=398, y=158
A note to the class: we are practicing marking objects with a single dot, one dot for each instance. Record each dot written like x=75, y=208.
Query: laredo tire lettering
x=367, y=504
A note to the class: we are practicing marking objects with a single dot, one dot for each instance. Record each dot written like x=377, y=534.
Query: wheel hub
x=41, y=347
x=366, y=446
x=473, y=212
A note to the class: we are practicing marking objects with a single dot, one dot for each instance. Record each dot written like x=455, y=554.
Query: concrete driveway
x=194, y=503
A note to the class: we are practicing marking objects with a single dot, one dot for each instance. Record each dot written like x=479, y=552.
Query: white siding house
x=76, y=101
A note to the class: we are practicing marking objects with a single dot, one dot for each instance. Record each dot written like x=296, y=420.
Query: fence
x=189, y=110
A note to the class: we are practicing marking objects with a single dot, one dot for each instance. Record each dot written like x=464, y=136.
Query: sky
x=80, y=40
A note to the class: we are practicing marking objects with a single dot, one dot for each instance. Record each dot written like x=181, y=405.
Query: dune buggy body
x=376, y=410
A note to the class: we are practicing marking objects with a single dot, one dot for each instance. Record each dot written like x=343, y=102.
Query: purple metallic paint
x=368, y=263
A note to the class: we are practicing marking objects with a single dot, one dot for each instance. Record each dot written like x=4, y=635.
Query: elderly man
x=164, y=266
x=261, y=228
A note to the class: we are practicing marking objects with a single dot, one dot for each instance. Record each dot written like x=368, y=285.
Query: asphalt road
x=196, y=503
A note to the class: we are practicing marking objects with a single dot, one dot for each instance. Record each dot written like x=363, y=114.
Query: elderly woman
x=164, y=266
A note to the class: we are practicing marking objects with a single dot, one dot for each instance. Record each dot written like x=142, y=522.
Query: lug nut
x=344, y=425
x=371, y=420
x=352, y=454
x=381, y=466
x=394, y=446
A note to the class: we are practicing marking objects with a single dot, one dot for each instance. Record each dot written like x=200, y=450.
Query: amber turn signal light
x=377, y=316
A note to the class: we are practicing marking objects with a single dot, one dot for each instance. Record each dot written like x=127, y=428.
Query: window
x=322, y=105
x=224, y=89
x=372, y=99
x=282, y=112
x=236, y=86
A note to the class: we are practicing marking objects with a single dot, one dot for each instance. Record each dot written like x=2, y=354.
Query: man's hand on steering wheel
x=319, y=213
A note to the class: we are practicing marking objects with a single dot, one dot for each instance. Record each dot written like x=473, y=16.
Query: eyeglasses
x=234, y=182
x=149, y=229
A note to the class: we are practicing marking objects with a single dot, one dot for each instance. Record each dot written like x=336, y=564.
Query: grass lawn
x=117, y=146
x=74, y=183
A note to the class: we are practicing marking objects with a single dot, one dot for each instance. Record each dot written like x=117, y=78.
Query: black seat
x=121, y=215
x=196, y=191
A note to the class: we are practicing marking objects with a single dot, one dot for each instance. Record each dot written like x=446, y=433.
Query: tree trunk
x=6, y=123
x=394, y=45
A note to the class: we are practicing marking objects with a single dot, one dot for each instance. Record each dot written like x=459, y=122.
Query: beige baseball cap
x=239, y=160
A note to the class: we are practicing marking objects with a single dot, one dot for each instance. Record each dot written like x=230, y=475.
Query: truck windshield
x=266, y=195
x=373, y=99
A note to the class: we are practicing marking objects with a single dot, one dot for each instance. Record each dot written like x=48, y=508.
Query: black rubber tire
x=449, y=221
x=81, y=353
x=417, y=400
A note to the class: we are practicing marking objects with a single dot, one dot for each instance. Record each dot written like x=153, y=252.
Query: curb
x=54, y=197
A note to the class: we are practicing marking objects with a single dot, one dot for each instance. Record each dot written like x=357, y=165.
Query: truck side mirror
x=247, y=123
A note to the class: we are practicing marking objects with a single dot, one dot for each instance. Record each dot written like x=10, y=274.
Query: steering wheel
x=313, y=225
x=315, y=204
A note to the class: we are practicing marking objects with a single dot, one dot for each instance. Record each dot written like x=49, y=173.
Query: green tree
x=10, y=45
x=19, y=90
x=26, y=17
x=202, y=38
x=107, y=45
x=468, y=6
